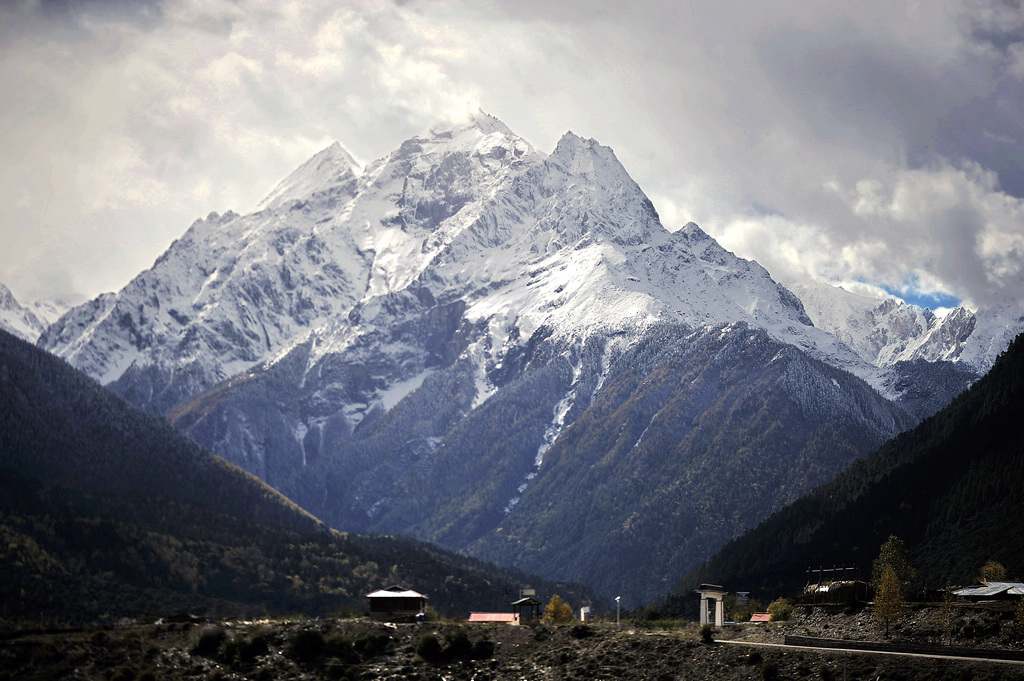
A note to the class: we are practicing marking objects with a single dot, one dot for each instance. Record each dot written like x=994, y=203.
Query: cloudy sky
x=869, y=143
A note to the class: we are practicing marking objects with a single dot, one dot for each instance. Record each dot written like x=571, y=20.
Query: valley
x=501, y=352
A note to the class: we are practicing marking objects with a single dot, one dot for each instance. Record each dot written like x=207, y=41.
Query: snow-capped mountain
x=49, y=310
x=885, y=332
x=470, y=212
x=19, y=320
x=413, y=347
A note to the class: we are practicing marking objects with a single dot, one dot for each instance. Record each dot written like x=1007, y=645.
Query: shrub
x=459, y=646
x=483, y=649
x=429, y=647
x=754, y=658
x=339, y=669
x=769, y=671
x=707, y=632
x=255, y=646
x=231, y=649
x=306, y=644
x=45, y=652
x=780, y=609
x=372, y=645
x=209, y=640
x=341, y=648
x=581, y=631
x=244, y=650
x=650, y=613
x=125, y=673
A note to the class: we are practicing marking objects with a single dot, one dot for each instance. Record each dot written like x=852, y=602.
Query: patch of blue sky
x=911, y=292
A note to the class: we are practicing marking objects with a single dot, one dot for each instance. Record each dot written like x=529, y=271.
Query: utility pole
x=617, y=599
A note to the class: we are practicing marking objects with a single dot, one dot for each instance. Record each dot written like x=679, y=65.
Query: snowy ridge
x=469, y=212
x=884, y=332
x=21, y=321
x=332, y=167
x=358, y=278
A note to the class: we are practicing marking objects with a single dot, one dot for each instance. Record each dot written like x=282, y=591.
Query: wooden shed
x=526, y=609
x=396, y=604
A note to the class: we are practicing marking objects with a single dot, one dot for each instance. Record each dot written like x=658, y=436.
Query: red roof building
x=507, y=617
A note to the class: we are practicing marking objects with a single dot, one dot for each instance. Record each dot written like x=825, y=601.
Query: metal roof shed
x=992, y=590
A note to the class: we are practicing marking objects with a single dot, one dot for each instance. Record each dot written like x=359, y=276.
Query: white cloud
x=858, y=142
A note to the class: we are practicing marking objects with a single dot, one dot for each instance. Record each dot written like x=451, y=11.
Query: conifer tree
x=893, y=555
x=992, y=571
x=557, y=611
x=889, y=603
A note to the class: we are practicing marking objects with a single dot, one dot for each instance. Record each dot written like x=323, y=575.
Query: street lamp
x=617, y=598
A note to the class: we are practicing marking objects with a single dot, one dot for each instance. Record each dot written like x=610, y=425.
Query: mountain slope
x=950, y=489
x=106, y=511
x=694, y=437
x=503, y=480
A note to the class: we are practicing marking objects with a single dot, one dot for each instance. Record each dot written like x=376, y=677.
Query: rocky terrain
x=360, y=649
x=989, y=625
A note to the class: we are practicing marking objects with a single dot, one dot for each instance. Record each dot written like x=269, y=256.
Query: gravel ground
x=360, y=649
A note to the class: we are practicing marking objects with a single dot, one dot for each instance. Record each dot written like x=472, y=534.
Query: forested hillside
x=63, y=428
x=106, y=511
x=951, y=489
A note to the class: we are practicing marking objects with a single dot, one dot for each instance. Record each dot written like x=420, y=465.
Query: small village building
x=526, y=609
x=852, y=591
x=988, y=591
x=501, y=617
x=712, y=609
x=396, y=604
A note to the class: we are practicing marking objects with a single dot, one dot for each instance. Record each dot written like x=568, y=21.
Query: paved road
x=870, y=652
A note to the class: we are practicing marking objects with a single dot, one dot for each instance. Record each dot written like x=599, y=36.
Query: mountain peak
x=17, y=319
x=7, y=299
x=450, y=126
x=327, y=168
x=476, y=133
x=588, y=157
x=694, y=233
